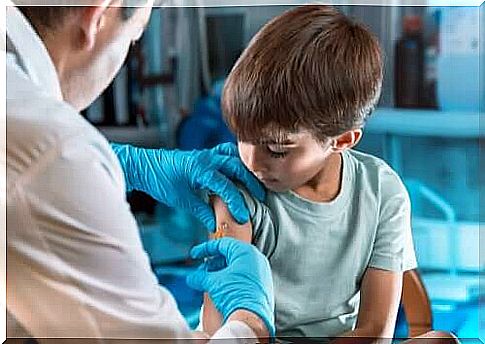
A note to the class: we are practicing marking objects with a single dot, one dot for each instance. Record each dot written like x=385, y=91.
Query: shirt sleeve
x=76, y=265
x=393, y=246
x=265, y=232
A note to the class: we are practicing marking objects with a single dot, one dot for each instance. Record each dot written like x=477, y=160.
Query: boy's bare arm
x=380, y=297
x=226, y=226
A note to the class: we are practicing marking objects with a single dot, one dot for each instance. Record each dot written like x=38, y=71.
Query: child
x=336, y=223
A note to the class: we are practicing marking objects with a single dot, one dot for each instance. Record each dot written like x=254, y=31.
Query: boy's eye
x=276, y=151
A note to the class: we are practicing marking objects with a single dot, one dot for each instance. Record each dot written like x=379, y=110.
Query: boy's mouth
x=267, y=180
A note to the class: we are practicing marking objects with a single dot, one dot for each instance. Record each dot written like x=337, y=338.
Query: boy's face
x=286, y=164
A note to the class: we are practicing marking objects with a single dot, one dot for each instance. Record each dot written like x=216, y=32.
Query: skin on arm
x=247, y=317
x=226, y=226
x=379, y=303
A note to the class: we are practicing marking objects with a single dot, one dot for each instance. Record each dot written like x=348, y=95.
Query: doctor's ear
x=346, y=140
x=91, y=20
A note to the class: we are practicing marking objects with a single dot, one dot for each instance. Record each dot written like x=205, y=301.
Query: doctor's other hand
x=245, y=283
x=174, y=177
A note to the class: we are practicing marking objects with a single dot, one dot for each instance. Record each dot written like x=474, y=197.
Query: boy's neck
x=326, y=184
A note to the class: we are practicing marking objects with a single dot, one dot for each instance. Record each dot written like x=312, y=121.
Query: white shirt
x=75, y=263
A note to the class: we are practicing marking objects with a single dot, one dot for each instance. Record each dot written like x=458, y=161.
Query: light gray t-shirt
x=319, y=252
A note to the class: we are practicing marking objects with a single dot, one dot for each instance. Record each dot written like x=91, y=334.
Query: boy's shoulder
x=367, y=160
x=375, y=172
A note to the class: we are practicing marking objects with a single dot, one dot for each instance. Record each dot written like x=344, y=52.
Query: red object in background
x=412, y=24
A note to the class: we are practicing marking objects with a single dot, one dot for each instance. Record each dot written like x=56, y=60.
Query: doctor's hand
x=244, y=282
x=174, y=177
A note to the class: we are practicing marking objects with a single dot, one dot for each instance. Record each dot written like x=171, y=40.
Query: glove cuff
x=123, y=153
x=266, y=315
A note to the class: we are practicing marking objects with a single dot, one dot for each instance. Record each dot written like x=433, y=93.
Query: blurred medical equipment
x=435, y=150
x=204, y=127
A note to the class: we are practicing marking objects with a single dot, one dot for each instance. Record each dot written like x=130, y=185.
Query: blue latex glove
x=245, y=282
x=174, y=177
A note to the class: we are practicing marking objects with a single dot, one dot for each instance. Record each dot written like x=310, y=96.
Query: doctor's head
x=88, y=44
x=300, y=94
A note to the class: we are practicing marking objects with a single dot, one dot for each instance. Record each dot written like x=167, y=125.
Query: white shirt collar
x=31, y=52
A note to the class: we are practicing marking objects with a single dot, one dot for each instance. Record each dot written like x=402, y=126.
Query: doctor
x=75, y=263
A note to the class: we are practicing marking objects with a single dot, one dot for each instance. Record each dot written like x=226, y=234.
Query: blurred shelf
x=448, y=246
x=456, y=288
x=150, y=137
x=433, y=123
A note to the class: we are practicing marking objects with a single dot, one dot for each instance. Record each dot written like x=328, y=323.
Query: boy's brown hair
x=312, y=68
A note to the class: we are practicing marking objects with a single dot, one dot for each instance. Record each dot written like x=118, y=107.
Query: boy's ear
x=347, y=140
x=91, y=20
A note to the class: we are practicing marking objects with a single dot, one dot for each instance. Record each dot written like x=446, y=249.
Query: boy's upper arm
x=226, y=225
x=261, y=230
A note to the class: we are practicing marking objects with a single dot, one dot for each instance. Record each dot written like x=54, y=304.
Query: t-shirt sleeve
x=264, y=228
x=393, y=246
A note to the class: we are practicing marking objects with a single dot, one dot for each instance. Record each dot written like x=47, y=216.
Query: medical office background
x=427, y=127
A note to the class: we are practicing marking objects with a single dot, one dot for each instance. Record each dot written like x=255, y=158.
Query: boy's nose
x=255, y=163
